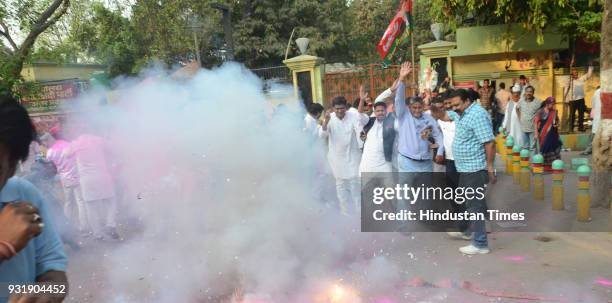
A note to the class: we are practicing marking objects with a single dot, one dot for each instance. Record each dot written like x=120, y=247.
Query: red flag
x=387, y=44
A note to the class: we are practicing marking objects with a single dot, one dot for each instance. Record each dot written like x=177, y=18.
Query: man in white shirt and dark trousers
x=342, y=128
x=573, y=93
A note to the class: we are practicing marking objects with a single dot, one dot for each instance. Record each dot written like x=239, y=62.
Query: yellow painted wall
x=492, y=67
x=50, y=72
x=480, y=64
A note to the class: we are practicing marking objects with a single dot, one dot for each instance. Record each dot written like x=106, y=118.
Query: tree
x=371, y=19
x=110, y=38
x=164, y=29
x=262, y=29
x=602, y=156
x=25, y=14
x=574, y=18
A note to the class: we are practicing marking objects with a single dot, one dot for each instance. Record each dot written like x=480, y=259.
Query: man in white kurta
x=373, y=157
x=96, y=184
x=322, y=191
x=342, y=129
x=512, y=122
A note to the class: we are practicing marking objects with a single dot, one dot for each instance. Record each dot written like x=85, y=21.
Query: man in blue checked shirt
x=474, y=153
x=30, y=247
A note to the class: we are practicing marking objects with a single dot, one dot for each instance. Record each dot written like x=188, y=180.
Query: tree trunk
x=602, y=157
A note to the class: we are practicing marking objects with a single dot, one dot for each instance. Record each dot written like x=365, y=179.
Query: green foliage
x=110, y=38
x=262, y=29
x=339, y=30
x=574, y=18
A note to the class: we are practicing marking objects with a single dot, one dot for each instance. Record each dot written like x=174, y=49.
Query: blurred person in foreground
x=30, y=248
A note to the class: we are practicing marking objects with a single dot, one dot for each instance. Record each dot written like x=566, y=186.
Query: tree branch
x=46, y=19
x=5, y=32
x=5, y=50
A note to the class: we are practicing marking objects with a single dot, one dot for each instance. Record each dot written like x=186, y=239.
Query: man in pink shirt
x=57, y=152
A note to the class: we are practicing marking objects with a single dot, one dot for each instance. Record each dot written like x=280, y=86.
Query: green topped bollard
x=557, y=186
x=525, y=177
x=537, y=165
x=516, y=164
x=584, y=195
x=509, y=144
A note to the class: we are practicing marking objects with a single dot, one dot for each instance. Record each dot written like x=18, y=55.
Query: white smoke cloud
x=221, y=188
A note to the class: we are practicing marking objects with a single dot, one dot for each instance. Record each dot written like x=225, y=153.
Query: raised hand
x=363, y=95
x=405, y=70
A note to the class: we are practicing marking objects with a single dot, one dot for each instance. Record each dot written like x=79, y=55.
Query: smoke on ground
x=219, y=183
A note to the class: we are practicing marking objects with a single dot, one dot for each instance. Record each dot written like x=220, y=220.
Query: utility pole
x=197, y=48
x=227, y=28
x=195, y=26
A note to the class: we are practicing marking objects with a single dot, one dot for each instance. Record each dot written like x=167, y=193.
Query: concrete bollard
x=500, y=142
x=525, y=177
x=509, y=144
x=537, y=165
x=584, y=195
x=516, y=164
x=557, y=186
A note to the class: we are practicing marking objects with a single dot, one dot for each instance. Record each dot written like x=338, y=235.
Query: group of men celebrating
x=459, y=128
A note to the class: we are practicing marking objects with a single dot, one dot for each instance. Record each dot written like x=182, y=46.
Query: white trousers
x=349, y=195
x=102, y=214
x=74, y=207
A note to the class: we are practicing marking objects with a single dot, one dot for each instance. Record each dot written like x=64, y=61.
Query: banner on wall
x=51, y=95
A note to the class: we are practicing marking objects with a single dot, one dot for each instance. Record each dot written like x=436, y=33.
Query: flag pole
x=412, y=16
x=413, y=66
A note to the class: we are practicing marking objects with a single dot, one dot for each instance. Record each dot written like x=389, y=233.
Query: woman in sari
x=547, y=134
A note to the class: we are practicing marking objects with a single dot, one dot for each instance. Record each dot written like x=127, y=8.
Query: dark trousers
x=475, y=180
x=498, y=120
x=452, y=181
x=581, y=107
